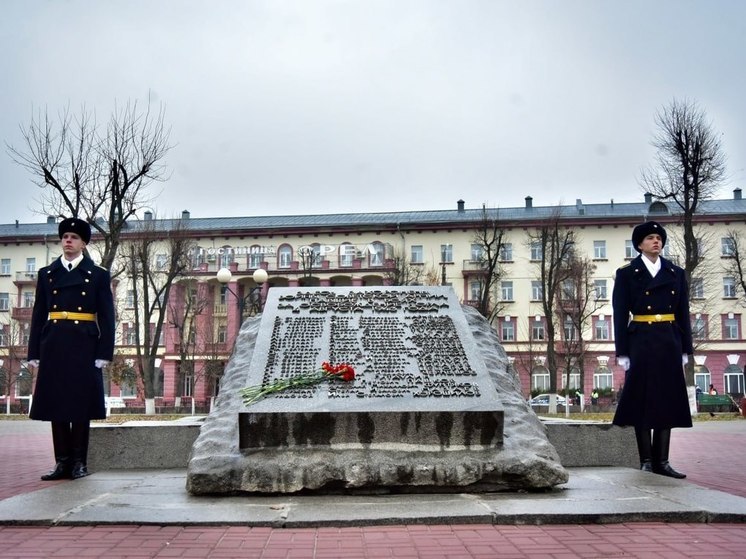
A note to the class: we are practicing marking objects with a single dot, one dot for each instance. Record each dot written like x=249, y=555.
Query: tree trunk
x=149, y=406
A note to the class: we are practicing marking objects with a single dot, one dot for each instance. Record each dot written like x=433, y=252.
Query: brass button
x=82, y=292
x=77, y=322
x=64, y=314
x=658, y=318
x=649, y=307
x=54, y=292
x=54, y=306
x=55, y=321
x=647, y=293
x=80, y=308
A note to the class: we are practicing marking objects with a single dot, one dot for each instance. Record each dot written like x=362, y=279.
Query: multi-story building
x=428, y=247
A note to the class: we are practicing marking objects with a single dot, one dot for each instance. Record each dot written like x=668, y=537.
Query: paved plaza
x=601, y=512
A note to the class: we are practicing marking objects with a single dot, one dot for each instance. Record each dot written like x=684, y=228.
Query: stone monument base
x=523, y=459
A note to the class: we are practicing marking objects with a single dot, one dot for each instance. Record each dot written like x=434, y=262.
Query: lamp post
x=259, y=276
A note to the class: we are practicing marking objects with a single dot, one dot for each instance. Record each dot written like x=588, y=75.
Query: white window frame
x=729, y=287
x=506, y=252
x=599, y=250
x=506, y=291
x=416, y=254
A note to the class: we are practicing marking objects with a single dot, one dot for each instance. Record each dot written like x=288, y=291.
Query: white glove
x=623, y=361
x=684, y=359
x=101, y=363
x=33, y=363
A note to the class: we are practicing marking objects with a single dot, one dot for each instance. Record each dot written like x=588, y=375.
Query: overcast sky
x=310, y=106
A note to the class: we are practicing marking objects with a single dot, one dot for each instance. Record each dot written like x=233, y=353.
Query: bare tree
x=552, y=246
x=689, y=167
x=182, y=314
x=489, y=236
x=153, y=277
x=97, y=175
x=403, y=271
x=576, y=304
x=735, y=265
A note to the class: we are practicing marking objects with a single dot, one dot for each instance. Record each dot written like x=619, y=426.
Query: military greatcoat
x=69, y=387
x=654, y=394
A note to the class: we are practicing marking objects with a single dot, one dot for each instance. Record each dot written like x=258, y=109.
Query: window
x=569, y=329
x=4, y=301
x=129, y=301
x=538, y=332
x=536, y=250
x=25, y=333
x=129, y=335
x=254, y=259
x=446, y=253
x=727, y=247
x=223, y=295
x=603, y=378
x=537, y=290
x=602, y=330
x=198, y=257
x=697, y=288
x=475, y=290
x=506, y=252
x=346, y=255
x=731, y=329
x=733, y=380
x=284, y=256
x=729, y=287
x=28, y=299
x=574, y=379
x=222, y=336
x=599, y=250
x=377, y=254
x=666, y=251
x=416, y=255
x=702, y=377
x=507, y=329
x=506, y=291
x=225, y=258
x=600, y=289
x=3, y=340
x=31, y=264
x=5, y=267
x=161, y=261
x=540, y=379
x=699, y=327
x=477, y=253
x=629, y=249
x=568, y=289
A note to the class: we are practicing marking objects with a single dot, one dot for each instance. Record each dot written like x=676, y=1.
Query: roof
x=633, y=212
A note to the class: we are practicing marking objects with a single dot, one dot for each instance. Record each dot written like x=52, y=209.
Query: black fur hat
x=75, y=225
x=645, y=229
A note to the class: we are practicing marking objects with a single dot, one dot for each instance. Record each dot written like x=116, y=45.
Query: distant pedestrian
x=71, y=339
x=713, y=391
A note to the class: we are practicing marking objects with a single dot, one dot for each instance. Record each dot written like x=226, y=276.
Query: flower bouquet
x=327, y=372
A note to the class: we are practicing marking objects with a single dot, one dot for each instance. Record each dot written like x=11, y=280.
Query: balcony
x=25, y=278
x=21, y=313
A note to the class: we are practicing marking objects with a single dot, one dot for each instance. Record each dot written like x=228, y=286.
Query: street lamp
x=259, y=276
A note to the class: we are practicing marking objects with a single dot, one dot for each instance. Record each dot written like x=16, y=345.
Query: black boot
x=644, y=449
x=61, y=440
x=80, y=432
x=661, y=442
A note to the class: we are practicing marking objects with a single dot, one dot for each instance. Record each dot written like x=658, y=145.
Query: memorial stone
x=423, y=413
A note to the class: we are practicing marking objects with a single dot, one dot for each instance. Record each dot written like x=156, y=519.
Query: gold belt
x=67, y=315
x=654, y=318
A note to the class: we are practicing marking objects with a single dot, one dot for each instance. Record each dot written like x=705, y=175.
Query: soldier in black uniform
x=653, y=341
x=71, y=339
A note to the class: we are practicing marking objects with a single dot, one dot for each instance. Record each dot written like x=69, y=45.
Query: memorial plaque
x=419, y=376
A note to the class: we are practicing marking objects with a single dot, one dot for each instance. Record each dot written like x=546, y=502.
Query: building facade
x=203, y=315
